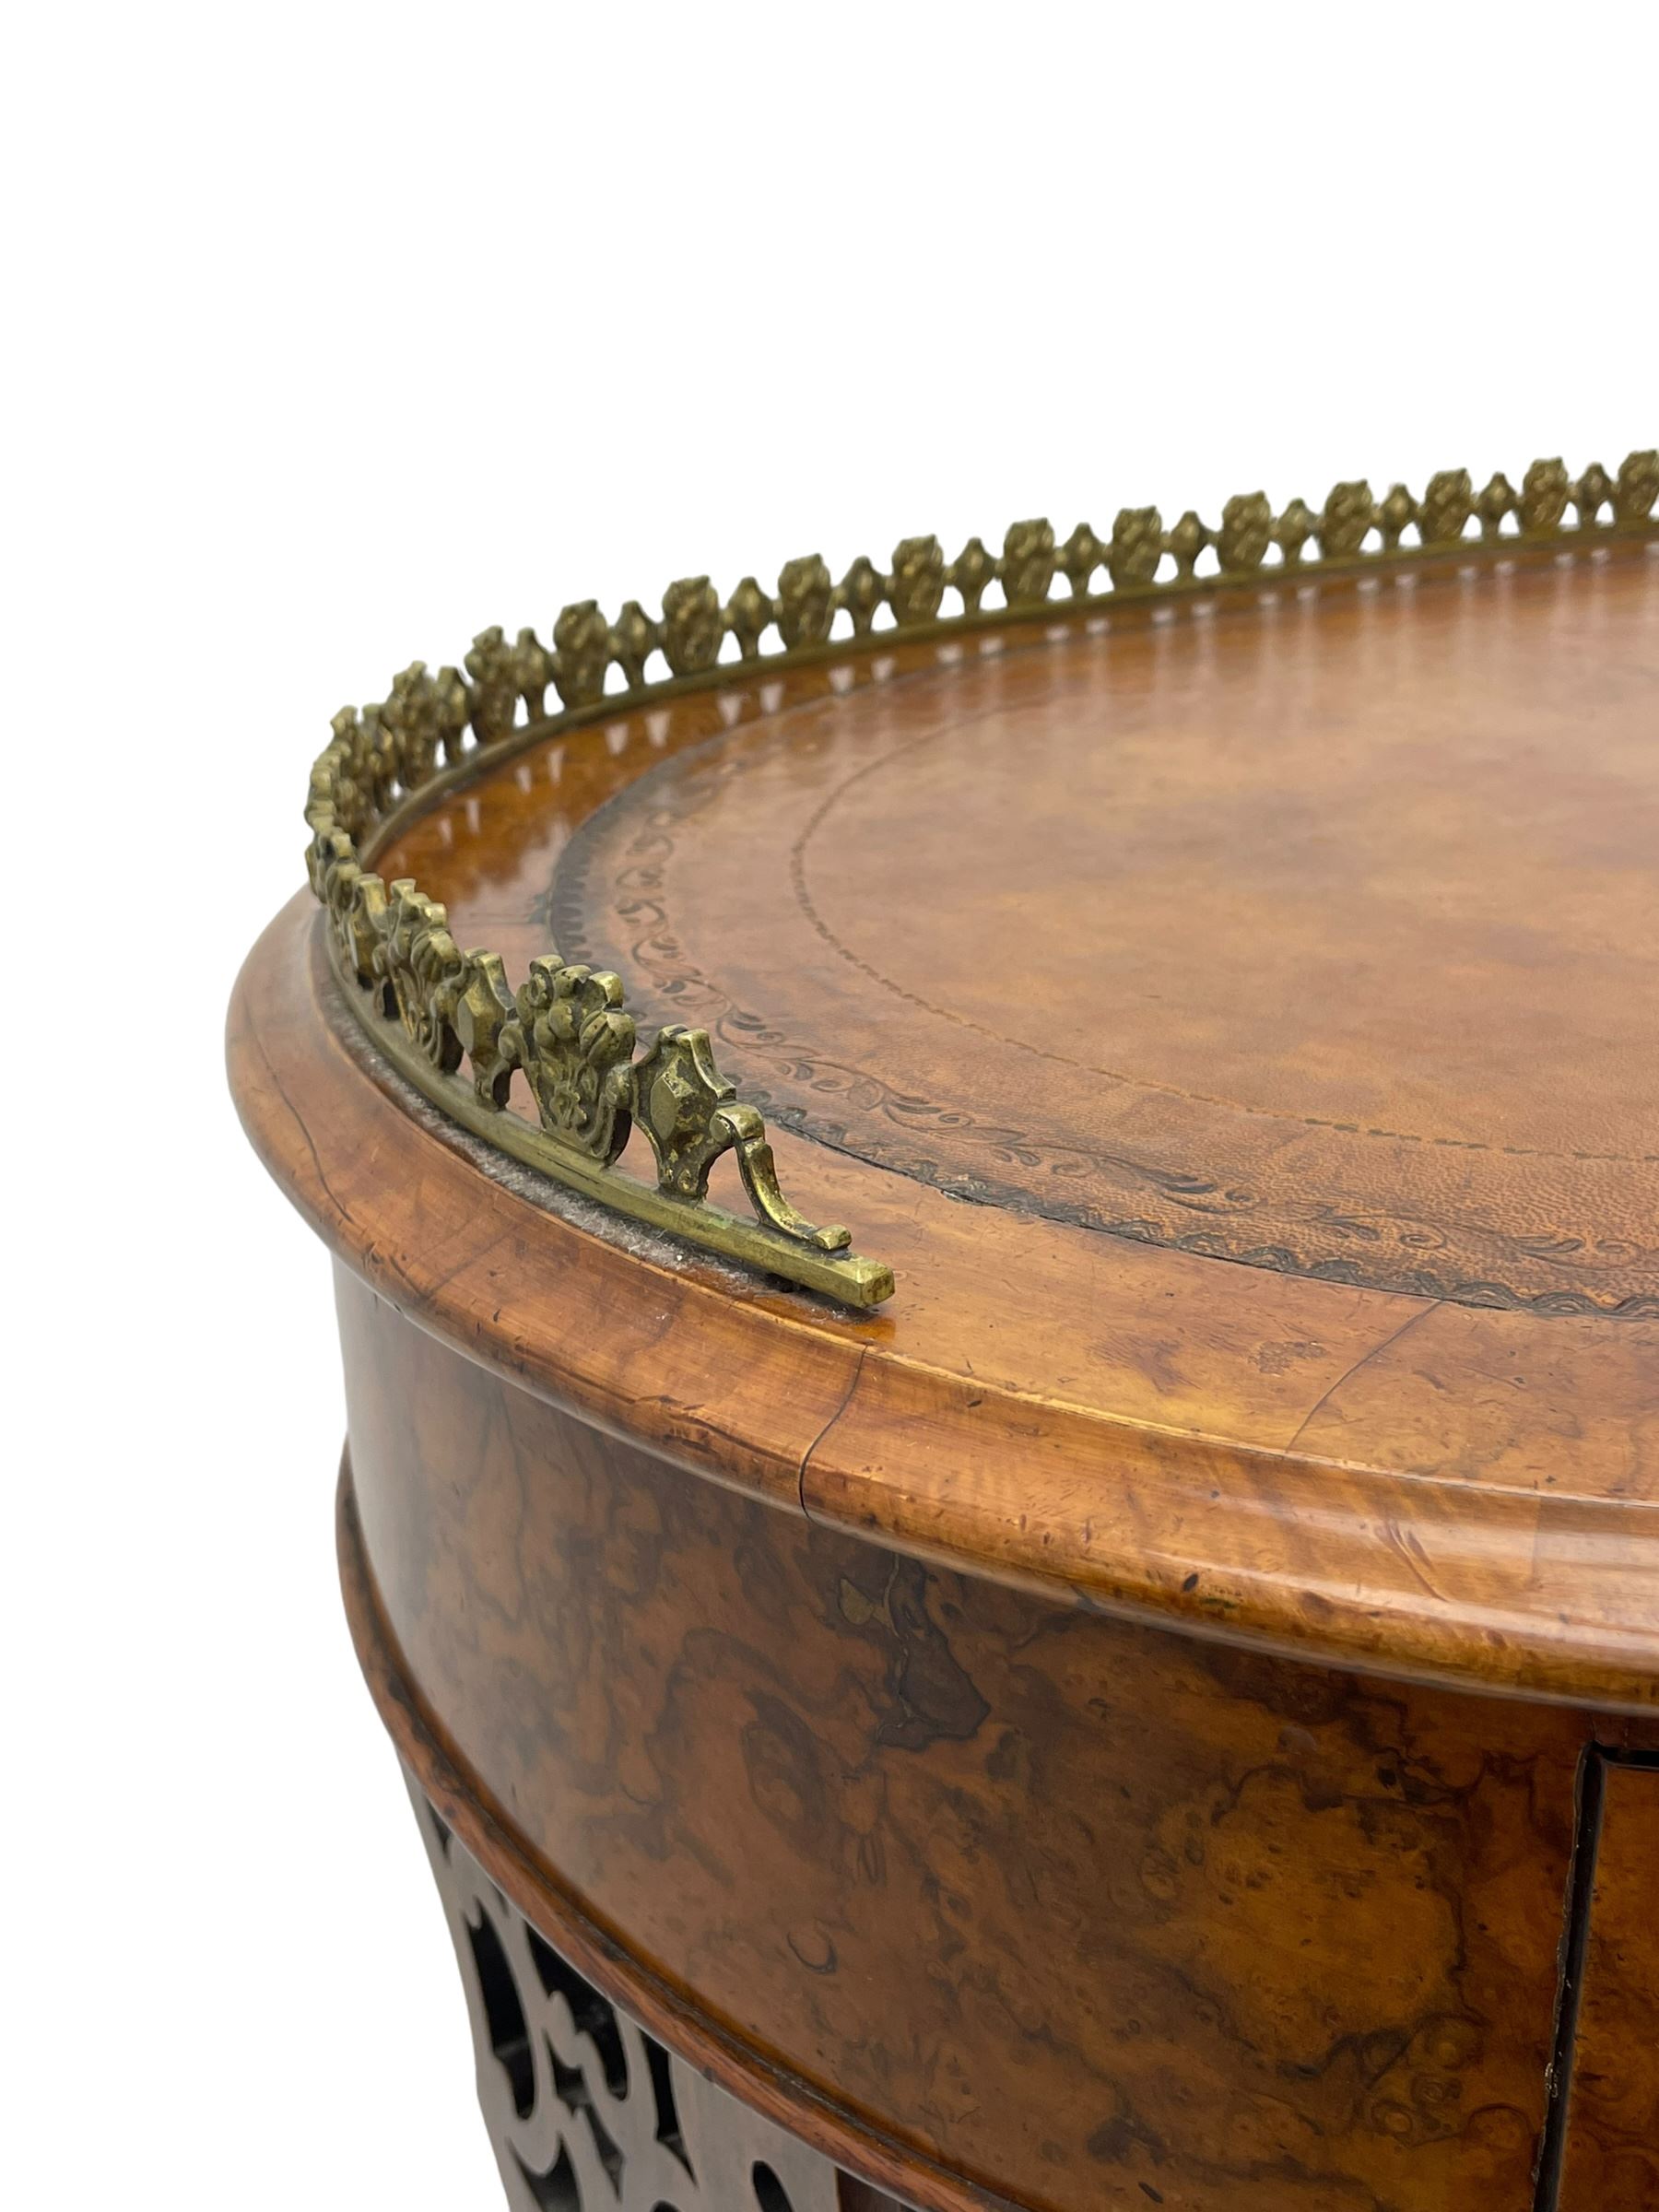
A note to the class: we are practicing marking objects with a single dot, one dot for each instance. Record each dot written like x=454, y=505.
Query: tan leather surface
x=1322, y=934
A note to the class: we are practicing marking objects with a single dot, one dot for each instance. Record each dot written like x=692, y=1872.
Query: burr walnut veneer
x=1161, y=1711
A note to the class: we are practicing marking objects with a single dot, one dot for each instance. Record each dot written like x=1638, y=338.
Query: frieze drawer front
x=1612, y=2104
x=996, y=1239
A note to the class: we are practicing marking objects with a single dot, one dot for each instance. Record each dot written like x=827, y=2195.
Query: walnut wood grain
x=1074, y=1910
x=492, y=1838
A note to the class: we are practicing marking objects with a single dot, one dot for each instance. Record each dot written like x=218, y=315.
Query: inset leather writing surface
x=1323, y=934
x=1320, y=932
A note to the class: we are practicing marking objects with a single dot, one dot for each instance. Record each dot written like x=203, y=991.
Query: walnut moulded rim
x=1535, y=1591
x=1368, y=1476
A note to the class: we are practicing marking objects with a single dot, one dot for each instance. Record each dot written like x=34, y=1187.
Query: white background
x=336, y=333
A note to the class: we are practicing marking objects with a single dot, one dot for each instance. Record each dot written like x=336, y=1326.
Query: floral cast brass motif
x=451, y=1022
